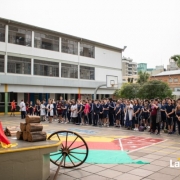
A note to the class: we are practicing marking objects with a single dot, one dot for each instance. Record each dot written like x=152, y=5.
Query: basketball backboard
x=111, y=81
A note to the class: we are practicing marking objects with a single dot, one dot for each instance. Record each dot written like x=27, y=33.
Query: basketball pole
x=95, y=92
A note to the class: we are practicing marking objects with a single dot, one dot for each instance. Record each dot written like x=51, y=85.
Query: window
x=1, y=63
x=2, y=32
x=46, y=41
x=19, y=65
x=46, y=68
x=69, y=46
x=87, y=50
x=175, y=79
x=69, y=71
x=170, y=79
x=87, y=72
x=19, y=36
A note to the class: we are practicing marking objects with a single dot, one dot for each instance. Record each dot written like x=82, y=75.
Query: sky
x=149, y=28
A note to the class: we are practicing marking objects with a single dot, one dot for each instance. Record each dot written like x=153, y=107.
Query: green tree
x=153, y=89
x=128, y=91
x=176, y=58
x=143, y=77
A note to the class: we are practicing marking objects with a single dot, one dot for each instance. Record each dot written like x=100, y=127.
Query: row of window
x=23, y=37
x=20, y=65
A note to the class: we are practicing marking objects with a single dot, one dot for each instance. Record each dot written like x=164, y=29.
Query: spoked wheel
x=73, y=152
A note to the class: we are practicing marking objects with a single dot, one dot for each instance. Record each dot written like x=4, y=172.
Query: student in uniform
x=69, y=110
x=145, y=114
x=79, y=112
x=136, y=108
x=74, y=111
x=174, y=117
x=86, y=113
x=31, y=108
x=42, y=111
x=169, y=114
x=55, y=110
x=163, y=114
x=111, y=112
x=96, y=112
x=82, y=111
x=50, y=111
x=117, y=110
x=177, y=113
x=101, y=113
x=106, y=113
x=64, y=108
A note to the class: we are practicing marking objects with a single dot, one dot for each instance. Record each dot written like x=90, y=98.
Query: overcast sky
x=149, y=28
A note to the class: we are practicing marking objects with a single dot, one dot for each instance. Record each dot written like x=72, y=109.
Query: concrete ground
x=159, y=156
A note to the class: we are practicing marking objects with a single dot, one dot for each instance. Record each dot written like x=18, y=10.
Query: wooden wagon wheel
x=73, y=152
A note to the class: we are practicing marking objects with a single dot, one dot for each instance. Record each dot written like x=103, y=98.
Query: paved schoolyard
x=158, y=154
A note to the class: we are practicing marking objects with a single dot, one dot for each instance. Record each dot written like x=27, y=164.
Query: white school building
x=38, y=63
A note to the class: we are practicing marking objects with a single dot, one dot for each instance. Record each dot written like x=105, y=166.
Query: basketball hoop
x=112, y=82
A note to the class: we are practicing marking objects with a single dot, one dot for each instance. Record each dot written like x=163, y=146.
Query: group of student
x=135, y=114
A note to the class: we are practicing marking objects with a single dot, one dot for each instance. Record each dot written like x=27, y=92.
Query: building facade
x=172, y=78
x=129, y=68
x=133, y=78
x=142, y=67
x=172, y=65
x=37, y=63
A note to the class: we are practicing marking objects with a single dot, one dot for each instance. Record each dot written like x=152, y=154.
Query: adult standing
x=128, y=112
x=22, y=109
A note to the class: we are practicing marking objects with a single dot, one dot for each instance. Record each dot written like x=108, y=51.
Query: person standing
x=74, y=111
x=50, y=108
x=177, y=113
x=96, y=112
x=13, y=108
x=111, y=112
x=22, y=109
x=128, y=115
x=154, y=107
x=169, y=114
x=43, y=111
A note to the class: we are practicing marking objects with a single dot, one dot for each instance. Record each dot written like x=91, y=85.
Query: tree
x=143, y=77
x=153, y=89
x=127, y=91
x=176, y=58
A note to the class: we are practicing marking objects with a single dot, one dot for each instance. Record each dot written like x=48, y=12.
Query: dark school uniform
x=111, y=113
x=79, y=109
x=135, y=118
x=69, y=112
x=90, y=113
x=106, y=111
x=64, y=111
x=169, y=109
x=163, y=114
x=117, y=113
x=38, y=110
x=54, y=109
x=122, y=113
x=178, y=122
x=101, y=111
x=96, y=114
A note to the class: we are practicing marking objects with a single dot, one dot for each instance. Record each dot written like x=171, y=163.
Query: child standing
x=117, y=114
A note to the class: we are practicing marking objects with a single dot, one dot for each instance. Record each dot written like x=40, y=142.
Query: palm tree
x=176, y=59
x=143, y=77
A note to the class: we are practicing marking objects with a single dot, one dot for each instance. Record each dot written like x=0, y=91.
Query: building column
x=60, y=44
x=32, y=39
x=78, y=60
x=32, y=67
x=6, y=98
x=60, y=69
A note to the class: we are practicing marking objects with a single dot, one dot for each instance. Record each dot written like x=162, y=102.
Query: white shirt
x=22, y=106
x=42, y=110
x=73, y=107
x=50, y=109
